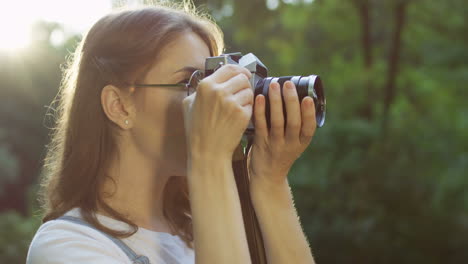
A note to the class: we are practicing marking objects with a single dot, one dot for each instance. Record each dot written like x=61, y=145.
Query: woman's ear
x=118, y=106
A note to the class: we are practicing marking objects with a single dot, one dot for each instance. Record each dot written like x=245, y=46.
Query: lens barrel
x=305, y=86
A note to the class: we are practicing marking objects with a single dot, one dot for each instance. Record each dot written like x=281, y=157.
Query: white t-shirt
x=61, y=241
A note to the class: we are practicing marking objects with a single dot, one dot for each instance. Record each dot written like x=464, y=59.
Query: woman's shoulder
x=60, y=241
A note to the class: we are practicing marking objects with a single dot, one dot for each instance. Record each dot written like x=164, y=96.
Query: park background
x=384, y=181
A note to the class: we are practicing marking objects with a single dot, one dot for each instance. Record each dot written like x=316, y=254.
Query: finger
x=244, y=96
x=248, y=114
x=276, y=111
x=308, y=120
x=248, y=110
x=293, y=111
x=228, y=71
x=260, y=123
x=187, y=101
x=236, y=83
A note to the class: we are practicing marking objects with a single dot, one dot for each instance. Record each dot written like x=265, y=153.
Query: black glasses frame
x=191, y=86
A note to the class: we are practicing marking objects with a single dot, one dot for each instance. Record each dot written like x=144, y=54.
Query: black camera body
x=305, y=85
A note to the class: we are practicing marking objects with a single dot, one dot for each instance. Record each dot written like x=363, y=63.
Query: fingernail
x=259, y=100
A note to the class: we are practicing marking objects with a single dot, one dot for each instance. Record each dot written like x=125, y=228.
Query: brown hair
x=119, y=49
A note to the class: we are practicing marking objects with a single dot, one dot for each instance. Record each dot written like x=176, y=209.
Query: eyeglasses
x=190, y=86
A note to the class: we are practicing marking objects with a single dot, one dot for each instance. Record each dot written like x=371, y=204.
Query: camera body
x=305, y=85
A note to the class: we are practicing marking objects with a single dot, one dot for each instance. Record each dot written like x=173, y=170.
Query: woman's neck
x=136, y=191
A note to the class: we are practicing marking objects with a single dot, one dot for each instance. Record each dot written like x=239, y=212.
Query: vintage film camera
x=310, y=85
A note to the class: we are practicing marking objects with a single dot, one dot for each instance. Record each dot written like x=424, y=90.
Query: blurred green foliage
x=383, y=181
x=16, y=231
x=15, y=235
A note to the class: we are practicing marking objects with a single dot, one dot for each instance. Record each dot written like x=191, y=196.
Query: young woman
x=139, y=167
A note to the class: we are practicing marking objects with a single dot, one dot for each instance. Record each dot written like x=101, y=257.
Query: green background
x=384, y=181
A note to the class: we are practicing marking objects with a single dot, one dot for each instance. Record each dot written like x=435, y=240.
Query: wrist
x=268, y=187
x=268, y=179
x=208, y=161
x=267, y=196
x=197, y=154
x=207, y=169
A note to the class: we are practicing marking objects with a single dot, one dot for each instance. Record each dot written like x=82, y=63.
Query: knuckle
x=308, y=114
x=238, y=69
x=246, y=81
x=277, y=126
x=230, y=101
x=294, y=125
x=309, y=133
x=243, y=77
x=231, y=67
x=238, y=110
x=203, y=86
x=220, y=92
x=291, y=98
x=232, y=105
x=307, y=137
x=274, y=97
x=314, y=125
x=208, y=78
x=250, y=95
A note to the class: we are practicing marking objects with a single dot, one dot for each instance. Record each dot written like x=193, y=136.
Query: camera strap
x=252, y=227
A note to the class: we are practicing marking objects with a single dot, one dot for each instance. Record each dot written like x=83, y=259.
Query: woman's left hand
x=273, y=152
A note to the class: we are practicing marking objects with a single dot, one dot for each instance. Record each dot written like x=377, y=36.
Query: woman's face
x=158, y=129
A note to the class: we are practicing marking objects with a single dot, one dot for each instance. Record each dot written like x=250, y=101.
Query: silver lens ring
x=310, y=86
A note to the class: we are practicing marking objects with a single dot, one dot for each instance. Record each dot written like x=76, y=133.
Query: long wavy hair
x=119, y=49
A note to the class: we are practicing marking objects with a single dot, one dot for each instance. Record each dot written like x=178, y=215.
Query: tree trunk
x=364, y=8
x=393, y=59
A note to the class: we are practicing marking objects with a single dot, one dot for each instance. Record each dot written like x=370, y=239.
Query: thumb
x=186, y=103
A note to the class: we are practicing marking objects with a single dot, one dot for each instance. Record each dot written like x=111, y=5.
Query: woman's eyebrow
x=188, y=69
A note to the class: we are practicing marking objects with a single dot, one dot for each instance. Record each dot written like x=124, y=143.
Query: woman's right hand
x=215, y=117
x=217, y=114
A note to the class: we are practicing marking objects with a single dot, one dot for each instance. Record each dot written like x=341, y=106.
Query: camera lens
x=305, y=86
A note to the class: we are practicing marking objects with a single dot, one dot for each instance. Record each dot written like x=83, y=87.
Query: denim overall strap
x=136, y=259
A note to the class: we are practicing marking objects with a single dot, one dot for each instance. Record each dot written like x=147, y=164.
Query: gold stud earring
x=126, y=121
